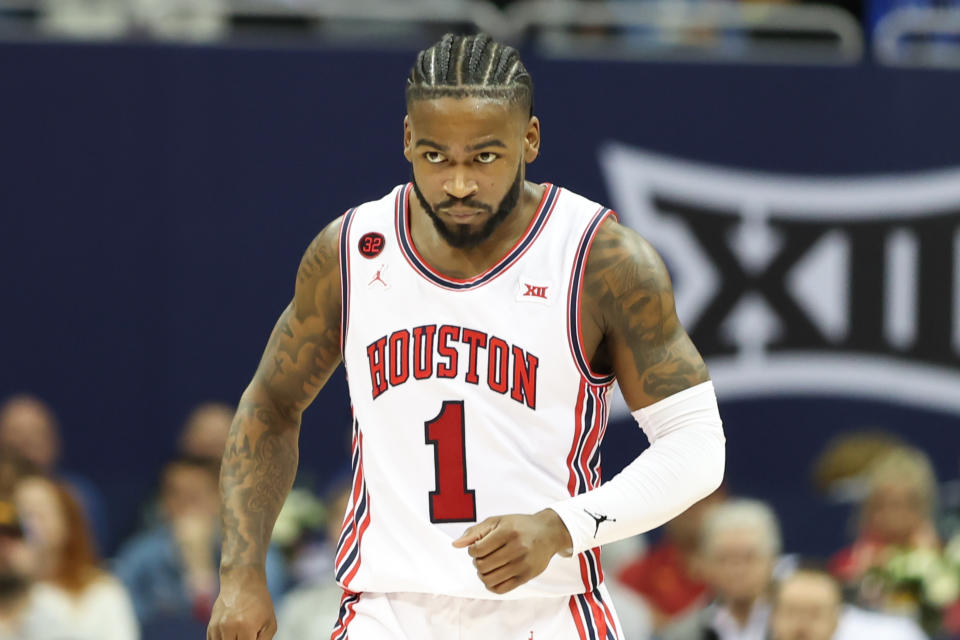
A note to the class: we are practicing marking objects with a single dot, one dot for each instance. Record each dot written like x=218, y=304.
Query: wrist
x=242, y=571
x=559, y=536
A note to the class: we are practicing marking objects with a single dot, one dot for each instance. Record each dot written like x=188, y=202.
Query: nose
x=460, y=186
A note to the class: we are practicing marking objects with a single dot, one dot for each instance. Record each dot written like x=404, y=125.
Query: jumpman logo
x=600, y=519
x=379, y=277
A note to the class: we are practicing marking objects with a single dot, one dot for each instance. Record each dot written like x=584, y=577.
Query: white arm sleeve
x=683, y=464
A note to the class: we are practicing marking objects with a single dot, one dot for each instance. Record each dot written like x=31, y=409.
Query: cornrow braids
x=461, y=66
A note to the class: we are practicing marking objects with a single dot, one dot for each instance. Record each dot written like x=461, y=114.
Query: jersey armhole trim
x=574, y=332
x=344, y=260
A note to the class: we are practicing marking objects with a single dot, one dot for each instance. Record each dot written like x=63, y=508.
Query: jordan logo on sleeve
x=600, y=519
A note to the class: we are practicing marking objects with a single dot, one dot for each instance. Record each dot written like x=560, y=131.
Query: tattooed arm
x=629, y=320
x=260, y=461
x=630, y=327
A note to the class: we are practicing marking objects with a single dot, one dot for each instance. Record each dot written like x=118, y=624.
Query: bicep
x=652, y=355
x=304, y=346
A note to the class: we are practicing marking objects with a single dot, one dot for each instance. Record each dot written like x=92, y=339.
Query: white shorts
x=425, y=616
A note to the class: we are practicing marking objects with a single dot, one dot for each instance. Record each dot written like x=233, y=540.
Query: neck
x=740, y=610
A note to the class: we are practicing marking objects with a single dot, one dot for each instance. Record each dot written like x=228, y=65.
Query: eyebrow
x=476, y=147
x=484, y=145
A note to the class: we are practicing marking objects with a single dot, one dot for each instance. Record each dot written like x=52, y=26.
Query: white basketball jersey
x=471, y=398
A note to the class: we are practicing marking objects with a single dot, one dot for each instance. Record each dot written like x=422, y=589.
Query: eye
x=434, y=157
x=487, y=157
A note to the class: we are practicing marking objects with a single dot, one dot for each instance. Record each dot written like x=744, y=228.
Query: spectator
x=205, y=431
x=664, y=577
x=22, y=614
x=69, y=578
x=738, y=549
x=29, y=429
x=808, y=605
x=171, y=568
x=897, y=513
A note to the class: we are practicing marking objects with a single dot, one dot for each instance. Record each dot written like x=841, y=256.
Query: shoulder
x=612, y=236
x=322, y=257
x=621, y=262
x=105, y=586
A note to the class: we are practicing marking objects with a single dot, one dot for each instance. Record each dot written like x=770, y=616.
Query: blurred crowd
x=717, y=572
x=206, y=20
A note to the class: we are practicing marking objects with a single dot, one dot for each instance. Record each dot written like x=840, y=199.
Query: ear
x=407, y=139
x=531, y=140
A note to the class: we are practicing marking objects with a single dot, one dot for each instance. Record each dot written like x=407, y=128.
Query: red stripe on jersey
x=575, y=611
x=609, y=614
x=584, y=571
x=593, y=439
x=575, y=299
x=578, y=413
x=366, y=517
x=347, y=614
x=599, y=619
x=349, y=521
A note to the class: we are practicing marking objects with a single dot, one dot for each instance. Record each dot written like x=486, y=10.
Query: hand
x=511, y=550
x=243, y=610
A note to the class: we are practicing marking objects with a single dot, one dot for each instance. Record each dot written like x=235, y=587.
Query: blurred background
x=166, y=162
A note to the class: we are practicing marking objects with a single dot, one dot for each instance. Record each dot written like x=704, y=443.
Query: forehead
x=809, y=587
x=455, y=121
x=736, y=537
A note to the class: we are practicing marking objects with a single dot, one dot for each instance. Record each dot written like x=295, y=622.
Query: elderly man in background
x=30, y=430
x=739, y=547
x=808, y=605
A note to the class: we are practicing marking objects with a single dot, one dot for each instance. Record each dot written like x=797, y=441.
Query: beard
x=462, y=236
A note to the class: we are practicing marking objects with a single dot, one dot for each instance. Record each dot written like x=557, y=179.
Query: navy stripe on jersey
x=608, y=614
x=347, y=604
x=345, y=275
x=406, y=243
x=589, y=623
x=348, y=556
x=591, y=413
x=576, y=286
x=596, y=618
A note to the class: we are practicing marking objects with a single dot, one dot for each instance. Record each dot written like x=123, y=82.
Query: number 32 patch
x=371, y=244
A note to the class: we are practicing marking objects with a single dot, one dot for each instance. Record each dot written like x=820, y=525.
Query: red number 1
x=452, y=501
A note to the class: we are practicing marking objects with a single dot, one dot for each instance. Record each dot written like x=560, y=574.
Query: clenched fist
x=511, y=550
x=244, y=609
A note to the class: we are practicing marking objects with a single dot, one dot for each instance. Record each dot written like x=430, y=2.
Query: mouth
x=461, y=215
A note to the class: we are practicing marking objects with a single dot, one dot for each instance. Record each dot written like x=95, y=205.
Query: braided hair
x=470, y=66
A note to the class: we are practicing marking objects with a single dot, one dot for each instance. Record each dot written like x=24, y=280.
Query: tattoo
x=628, y=294
x=260, y=460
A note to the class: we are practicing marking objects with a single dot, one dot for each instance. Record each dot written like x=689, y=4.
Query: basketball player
x=482, y=320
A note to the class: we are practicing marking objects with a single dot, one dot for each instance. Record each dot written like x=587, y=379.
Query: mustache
x=463, y=202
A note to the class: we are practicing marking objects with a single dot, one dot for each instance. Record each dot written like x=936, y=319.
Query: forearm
x=259, y=466
x=684, y=463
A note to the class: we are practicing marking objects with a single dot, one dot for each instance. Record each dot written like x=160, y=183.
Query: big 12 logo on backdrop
x=790, y=284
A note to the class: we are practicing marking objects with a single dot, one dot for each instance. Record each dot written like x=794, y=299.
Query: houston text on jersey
x=429, y=351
